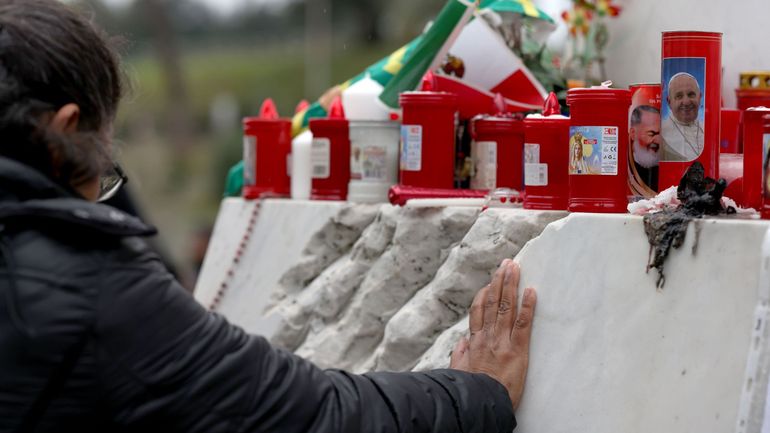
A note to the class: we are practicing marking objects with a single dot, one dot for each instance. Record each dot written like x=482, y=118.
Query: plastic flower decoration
x=578, y=19
x=606, y=8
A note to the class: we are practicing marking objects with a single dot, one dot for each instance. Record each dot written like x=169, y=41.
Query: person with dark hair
x=98, y=336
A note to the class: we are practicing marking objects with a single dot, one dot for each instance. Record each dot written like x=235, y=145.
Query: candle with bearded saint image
x=644, y=139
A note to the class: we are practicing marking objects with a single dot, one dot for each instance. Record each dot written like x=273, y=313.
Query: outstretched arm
x=166, y=363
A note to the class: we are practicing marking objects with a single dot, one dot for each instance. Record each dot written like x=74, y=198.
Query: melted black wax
x=699, y=195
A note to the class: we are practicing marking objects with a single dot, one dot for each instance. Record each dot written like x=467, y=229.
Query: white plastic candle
x=301, y=166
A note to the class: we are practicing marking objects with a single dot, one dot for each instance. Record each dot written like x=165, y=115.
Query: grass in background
x=250, y=74
x=181, y=191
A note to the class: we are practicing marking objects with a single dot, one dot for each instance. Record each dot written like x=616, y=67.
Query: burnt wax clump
x=698, y=195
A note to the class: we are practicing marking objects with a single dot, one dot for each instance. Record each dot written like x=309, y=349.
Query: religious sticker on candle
x=593, y=150
x=644, y=139
x=682, y=114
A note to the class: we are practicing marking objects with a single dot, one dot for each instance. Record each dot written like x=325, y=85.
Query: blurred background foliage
x=195, y=71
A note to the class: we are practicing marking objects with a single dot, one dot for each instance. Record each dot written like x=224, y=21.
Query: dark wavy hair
x=51, y=56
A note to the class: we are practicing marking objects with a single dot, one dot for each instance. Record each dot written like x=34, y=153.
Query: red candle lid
x=499, y=104
x=335, y=119
x=428, y=82
x=268, y=117
x=551, y=116
x=752, y=92
x=691, y=34
x=599, y=93
x=268, y=111
x=301, y=106
x=335, y=110
x=428, y=98
x=494, y=124
x=756, y=114
x=551, y=105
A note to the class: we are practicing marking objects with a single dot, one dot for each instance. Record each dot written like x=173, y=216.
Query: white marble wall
x=281, y=232
x=634, y=52
x=633, y=55
x=610, y=352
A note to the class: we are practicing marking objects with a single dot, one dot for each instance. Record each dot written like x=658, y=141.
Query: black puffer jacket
x=95, y=336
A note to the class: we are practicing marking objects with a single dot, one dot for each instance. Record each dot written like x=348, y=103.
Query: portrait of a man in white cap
x=682, y=131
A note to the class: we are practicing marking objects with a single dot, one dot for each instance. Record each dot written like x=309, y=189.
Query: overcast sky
x=221, y=6
x=553, y=7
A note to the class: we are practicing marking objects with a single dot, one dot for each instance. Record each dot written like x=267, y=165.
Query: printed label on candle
x=765, y=162
x=593, y=150
x=249, y=160
x=484, y=156
x=645, y=142
x=374, y=163
x=411, y=147
x=535, y=173
x=610, y=150
x=683, y=110
x=320, y=157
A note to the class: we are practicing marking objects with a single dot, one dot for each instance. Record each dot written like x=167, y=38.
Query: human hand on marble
x=500, y=332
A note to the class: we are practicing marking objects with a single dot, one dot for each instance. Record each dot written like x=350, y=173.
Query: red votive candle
x=428, y=139
x=729, y=131
x=546, y=181
x=330, y=155
x=598, y=133
x=266, y=148
x=496, y=151
x=644, y=139
x=747, y=98
x=755, y=143
x=691, y=104
x=765, y=212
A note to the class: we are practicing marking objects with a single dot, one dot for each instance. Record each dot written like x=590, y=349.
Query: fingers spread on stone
x=476, y=315
x=506, y=311
x=523, y=327
x=492, y=302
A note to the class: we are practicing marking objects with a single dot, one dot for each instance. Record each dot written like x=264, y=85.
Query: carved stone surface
x=420, y=245
x=497, y=234
x=610, y=352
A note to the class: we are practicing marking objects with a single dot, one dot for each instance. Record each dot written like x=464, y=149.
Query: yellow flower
x=605, y=7
x=578, y=19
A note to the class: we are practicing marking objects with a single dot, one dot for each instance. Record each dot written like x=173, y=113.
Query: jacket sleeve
x=169, y=365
